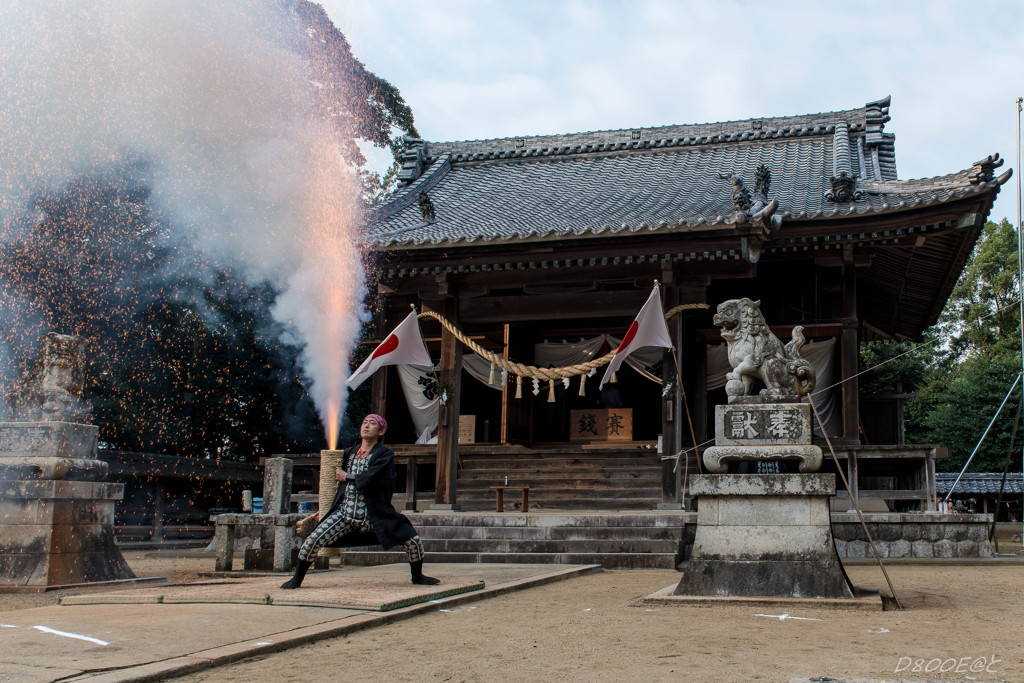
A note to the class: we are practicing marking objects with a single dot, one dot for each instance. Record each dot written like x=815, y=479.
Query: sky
x=474, y=69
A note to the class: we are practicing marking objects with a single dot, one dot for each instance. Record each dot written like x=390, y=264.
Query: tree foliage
x=966, y=364
x=360, y=104
x=176, y=364
x=185, y=356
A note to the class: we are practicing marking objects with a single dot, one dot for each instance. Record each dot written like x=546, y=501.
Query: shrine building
x=542, y=249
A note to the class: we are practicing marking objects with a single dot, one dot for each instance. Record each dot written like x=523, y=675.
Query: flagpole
x=682, y=390
x=433, y=371
x=1020, y=262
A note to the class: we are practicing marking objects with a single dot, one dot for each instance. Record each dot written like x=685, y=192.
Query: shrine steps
x=628, y=540
x=614, y=480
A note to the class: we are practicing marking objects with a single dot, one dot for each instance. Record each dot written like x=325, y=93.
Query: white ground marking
x=54, y=631
x=786, y=615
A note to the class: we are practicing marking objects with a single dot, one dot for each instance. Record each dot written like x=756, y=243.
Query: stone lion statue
x=51, y=390
x=757, y=354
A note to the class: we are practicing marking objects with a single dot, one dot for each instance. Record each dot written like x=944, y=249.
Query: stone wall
x=913, y=535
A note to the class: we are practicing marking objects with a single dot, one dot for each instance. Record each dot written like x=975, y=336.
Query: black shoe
x=417, y=575
x=300, y=573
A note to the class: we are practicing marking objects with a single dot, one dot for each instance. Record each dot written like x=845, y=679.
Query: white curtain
x=480, y=368
x=419, y=386
x=821, y=355
x=561, y=354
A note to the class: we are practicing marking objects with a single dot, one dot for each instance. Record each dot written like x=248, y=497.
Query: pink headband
x=380, y=420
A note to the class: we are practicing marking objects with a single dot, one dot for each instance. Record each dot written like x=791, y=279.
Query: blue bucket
x=257, y=506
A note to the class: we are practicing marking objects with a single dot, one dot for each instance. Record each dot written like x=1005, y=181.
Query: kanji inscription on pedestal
x=772, y=423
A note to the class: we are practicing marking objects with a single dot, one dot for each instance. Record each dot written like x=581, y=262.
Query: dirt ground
x=965, y=617
x=590, y=629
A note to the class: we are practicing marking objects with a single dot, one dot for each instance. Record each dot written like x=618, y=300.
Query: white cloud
x=494, y=68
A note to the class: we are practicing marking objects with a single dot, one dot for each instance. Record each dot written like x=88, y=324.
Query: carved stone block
x=763, y=535
x=56, y=516
x=762, y=424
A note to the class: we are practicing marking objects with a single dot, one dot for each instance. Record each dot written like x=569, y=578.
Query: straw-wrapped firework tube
x=329, y=462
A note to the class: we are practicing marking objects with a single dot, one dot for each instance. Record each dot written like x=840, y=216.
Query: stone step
x=542, y=464
x=611, y=519
x=499, y=474
x=534, y=533
x=539, y=494
x=607, y=560
x=486, y=504
x=504, y=546
x=554, y=481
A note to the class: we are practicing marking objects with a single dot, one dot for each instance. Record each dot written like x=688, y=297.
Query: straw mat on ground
x=336, y=589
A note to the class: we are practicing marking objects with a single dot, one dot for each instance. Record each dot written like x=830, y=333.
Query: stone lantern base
x=56, y=513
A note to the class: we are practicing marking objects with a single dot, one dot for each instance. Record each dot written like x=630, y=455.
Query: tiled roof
x=653, y=180
x=987, y=482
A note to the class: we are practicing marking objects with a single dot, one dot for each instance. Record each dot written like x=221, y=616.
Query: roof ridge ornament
x=414, y=160
x=844, y=188
x=426, y=207
x=755, y=208
x=984, y=171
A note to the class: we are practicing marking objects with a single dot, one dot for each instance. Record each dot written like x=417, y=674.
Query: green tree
x=184, y=360
x=176, y=364
x=359, y=104
x=975, y=358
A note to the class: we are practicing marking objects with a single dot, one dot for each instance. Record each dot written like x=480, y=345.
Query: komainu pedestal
x=763, y=535
x=56, y=512
x=766, y=534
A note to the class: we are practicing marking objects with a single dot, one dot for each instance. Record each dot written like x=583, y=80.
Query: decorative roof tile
x=657, y=180
x=978, y=483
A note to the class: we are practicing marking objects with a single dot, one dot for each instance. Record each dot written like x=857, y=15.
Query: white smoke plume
x=220, y=110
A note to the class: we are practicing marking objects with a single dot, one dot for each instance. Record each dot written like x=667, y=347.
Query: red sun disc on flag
x=630, y=333
x=389, y=345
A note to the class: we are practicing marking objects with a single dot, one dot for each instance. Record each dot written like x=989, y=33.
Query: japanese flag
x=404, y=346
x=648, y=329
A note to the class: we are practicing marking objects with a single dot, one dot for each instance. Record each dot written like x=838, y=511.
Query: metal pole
x=1020, y=267
x=853, y=501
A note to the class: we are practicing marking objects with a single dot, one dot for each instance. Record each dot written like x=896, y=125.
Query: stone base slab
x=89, y=584
x=58, y=533
x=57, y=489
x=784, y=578
x=667, y=596
x=717, y=458
x=30, y=467
x=48, y=440
x=765, y=535
x=762, y=485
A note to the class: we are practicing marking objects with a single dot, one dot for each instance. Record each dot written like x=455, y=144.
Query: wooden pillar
x=850, y=358
x=933, y=497
x=504, y=392
x=158, y=513
x=448, y=417
x=693, y=364
x=379, y=380
x=852, y=476
x=410, y=484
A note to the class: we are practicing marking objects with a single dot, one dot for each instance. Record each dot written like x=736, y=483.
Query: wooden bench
x=500, y=491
